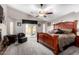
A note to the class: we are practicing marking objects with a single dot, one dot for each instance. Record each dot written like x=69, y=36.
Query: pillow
x=66, y=31
x=53, y=31
x=59, y=31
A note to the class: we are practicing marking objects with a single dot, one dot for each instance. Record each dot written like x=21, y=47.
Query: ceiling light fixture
x=41, y=12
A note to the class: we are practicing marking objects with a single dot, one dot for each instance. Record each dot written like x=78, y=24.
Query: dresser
x=77, y=41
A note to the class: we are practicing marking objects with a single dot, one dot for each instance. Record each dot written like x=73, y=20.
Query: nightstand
x=77, y=41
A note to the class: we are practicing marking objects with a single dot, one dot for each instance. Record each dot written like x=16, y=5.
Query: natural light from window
x=11, y=27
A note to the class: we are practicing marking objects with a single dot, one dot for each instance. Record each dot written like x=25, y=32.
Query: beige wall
x=3, y=29
x=40, y=28
x=68, y=17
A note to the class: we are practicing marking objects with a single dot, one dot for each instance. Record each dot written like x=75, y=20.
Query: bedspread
x=65, y=39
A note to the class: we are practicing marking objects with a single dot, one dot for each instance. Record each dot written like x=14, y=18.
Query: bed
x=57, y=42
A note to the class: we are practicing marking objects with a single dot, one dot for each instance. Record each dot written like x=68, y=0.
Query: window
x=11, y=27
x=44, y=28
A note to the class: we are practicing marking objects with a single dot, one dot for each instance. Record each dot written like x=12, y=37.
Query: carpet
x=32, y=47
x=73, y=50
x=3, y=50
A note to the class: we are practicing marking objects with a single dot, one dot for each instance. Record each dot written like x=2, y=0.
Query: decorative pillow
x=66, y=31
x=53, y=31
x=59, y=31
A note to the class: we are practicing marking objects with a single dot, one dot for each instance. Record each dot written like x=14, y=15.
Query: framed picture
x=18, y=23
x=39, y=24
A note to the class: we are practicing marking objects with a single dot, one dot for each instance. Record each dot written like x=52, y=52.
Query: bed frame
x=52, y=41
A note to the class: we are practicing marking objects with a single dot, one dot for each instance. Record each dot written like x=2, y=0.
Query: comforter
x=65, y=39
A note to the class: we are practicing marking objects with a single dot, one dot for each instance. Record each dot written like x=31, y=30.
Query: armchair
x=21, y=38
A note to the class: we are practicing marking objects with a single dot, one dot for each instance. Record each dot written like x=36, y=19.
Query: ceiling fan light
x=41, y=14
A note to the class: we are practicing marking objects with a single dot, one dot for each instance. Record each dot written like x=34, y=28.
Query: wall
x=18, y=29
x=8, y=24
x=68, y=17
x=3, y=28
x=40, y=28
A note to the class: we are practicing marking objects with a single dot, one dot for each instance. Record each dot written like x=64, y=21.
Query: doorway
x=31, y=30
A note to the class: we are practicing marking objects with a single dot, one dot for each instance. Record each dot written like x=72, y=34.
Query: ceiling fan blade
x=37, y=16
x=49, y=13
x=45, y=16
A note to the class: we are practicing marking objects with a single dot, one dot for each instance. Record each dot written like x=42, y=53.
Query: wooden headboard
x=67, y=25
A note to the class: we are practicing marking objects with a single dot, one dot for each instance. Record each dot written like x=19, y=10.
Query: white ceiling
x=57, y=9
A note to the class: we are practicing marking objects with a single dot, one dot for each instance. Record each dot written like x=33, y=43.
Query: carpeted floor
x=73, y=50
x=31, y=47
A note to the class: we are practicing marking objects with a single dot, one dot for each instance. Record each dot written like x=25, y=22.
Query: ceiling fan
x=42, y=13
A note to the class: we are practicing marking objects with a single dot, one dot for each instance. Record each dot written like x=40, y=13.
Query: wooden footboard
x=49, y=41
